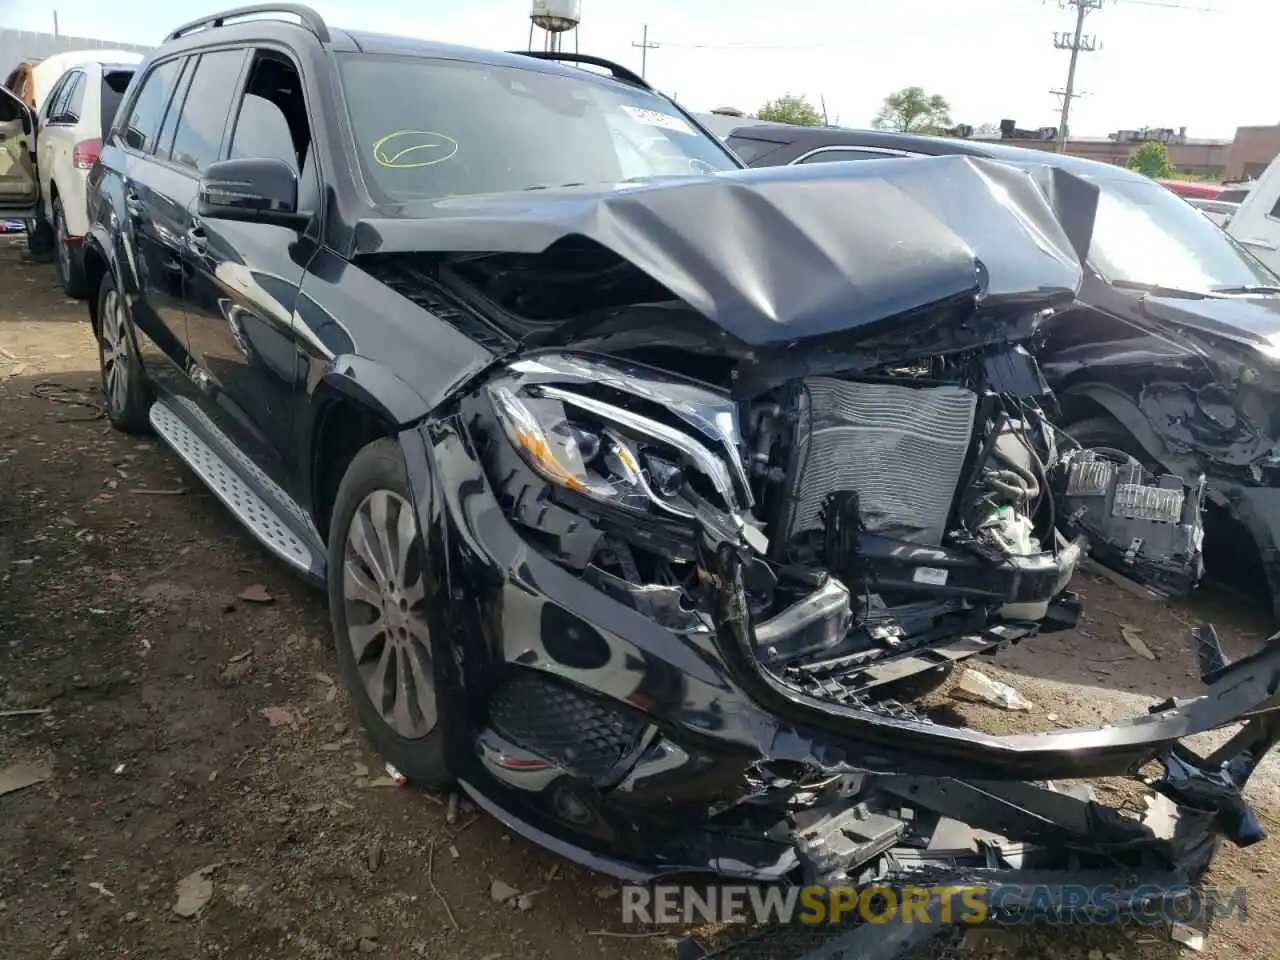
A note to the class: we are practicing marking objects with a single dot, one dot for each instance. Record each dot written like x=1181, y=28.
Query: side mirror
x=252, y=191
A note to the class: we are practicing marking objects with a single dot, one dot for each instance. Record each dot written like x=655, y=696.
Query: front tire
x=377, y=581
x=126, y=395
x=68, y=260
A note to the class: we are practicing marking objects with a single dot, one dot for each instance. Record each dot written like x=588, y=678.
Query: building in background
x=1252, y=151
x=28, y=47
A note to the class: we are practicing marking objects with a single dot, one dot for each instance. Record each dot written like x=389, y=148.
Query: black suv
x=1169, y=354
x=636, y=479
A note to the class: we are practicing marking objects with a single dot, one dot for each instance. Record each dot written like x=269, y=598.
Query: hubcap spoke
x=363, y=634
x=358, y=586
x=383, y=589
x=364, y=542
x=115, y=354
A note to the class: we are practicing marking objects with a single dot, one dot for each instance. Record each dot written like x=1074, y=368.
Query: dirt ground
x=186, y=729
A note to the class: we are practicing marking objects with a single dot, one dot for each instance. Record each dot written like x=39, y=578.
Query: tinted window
x=263, y=131
x=1234, y=196
x=205, y=108
x=1144, y=234
x=75, y=99
x=114, y=84
x=836, y=156
x=149, y=106
x=57, y=96
x=751, y=150
x=428, y=128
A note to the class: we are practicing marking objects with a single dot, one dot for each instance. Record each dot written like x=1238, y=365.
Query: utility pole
x=1076, y=42
x=55, y=24
x=645, y=46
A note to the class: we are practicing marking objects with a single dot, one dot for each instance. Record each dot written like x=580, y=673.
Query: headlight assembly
x=612, y=455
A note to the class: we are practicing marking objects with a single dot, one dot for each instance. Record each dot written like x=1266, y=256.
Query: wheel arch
x=355, y=402
x=1083, y=400
x=97, y=262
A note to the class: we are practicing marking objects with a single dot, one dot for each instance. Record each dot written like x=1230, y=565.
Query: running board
x=251, y=496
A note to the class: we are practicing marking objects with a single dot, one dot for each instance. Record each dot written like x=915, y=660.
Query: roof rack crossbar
x=309, y=17
x=618, y=71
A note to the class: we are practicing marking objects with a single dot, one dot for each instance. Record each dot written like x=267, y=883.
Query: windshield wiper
x=1262, y=288
x=1158, y=290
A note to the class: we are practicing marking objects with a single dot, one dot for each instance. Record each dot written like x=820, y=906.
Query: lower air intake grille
x=900, y=449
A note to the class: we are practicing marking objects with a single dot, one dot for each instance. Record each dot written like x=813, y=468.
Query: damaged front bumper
x=642, y=750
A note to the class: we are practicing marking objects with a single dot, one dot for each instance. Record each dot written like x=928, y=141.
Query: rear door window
x=749, y=149
x=114, y=84
x=147, y=113
x=206, y=107
x=75, y=100
x=57, y=96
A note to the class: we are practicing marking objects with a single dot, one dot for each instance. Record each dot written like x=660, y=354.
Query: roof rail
x=310, y=19
x=618, y=71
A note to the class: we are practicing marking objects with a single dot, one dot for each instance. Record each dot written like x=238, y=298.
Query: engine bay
x=896, y=520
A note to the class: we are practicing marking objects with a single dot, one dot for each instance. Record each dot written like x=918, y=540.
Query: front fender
x=1122, y=409
x=376, y=388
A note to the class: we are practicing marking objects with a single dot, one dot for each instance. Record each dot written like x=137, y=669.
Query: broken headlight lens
x=611, y=454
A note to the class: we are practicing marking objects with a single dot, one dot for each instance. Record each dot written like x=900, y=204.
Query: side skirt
x=253, y=498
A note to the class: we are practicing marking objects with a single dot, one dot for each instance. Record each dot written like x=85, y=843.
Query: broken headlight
x=612, y=455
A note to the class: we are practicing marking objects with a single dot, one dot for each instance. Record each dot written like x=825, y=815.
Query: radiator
x=900, y=449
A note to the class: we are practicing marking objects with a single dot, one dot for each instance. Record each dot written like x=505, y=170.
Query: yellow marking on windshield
x=408, y=155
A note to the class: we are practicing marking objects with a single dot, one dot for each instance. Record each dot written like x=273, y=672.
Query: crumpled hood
x=1254, y=321
x=774, y=255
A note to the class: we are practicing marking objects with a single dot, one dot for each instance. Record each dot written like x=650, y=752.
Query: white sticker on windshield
x=656, y=118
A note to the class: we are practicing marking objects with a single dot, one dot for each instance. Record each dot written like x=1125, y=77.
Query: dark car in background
x=629, y=532
x=1171, y=352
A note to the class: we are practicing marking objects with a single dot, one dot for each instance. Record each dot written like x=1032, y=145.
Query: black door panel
x=242, y=281
x=153, y=200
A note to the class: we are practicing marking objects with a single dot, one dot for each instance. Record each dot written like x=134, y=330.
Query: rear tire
x=125, y=392
x=377, y=581
x=68, y=259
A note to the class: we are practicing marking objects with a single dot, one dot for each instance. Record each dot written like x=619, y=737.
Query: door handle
x=1260, y=244
x=197, y=242
x=133, y=204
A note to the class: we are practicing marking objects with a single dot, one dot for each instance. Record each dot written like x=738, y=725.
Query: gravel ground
x=195, y=752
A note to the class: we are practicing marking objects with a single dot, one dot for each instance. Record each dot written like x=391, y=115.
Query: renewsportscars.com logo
x=937, y=904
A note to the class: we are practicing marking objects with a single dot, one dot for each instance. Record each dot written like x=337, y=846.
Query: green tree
x=791, y=108
x=911, y=110
x=1153, y=160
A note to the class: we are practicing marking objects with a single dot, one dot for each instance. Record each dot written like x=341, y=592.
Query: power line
x=645, y=46
x=1077, y=42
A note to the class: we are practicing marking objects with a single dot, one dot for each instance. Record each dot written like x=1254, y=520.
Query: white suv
x=73, y=120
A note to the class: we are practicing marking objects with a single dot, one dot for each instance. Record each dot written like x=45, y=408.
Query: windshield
x=1148, y=236
x=428, y=128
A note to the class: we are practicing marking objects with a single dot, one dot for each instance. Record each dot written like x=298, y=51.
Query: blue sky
x=1163, y=63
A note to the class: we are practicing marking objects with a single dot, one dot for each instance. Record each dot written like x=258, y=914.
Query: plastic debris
x=979, y=688
x=280, y=716
x=19, y=776
x=1189, y=937
x=1133, y=637
x=256, y=593
x=501, y=892
x=194, y=891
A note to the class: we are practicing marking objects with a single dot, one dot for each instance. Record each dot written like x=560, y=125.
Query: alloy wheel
x=384, y=592
x=116, y=359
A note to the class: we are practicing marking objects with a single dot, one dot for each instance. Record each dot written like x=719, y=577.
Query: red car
x=1189, y=188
